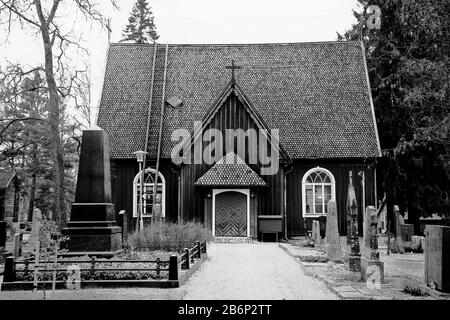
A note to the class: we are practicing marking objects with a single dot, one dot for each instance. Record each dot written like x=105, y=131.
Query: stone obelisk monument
x=92, y=224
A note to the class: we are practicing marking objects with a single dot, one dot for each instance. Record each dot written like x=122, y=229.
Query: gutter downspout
x=285, y=201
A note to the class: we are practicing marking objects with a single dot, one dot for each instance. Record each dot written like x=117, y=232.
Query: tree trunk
x=59, y=214
x=32, y=197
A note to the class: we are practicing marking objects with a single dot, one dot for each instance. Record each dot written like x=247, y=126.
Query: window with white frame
x=148, y=192
x=318, y=187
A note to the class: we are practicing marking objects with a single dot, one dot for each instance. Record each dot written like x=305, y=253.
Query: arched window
x=147, y=199
x=318, y=187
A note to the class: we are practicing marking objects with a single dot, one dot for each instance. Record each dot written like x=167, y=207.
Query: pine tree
x=141, y=27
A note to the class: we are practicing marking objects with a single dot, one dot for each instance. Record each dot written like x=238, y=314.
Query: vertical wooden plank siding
x=340, y=172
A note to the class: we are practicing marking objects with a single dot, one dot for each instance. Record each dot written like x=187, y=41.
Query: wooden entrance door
x=231, y=214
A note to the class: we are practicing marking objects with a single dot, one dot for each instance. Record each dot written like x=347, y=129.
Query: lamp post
x=140, y=155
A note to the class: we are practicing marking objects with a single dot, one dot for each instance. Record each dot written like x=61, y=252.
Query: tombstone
x=92, y=226
x=2, y=235
x=18, y=244
x=354, y=257
x=370, y=260
x=422, y=243
x=316, y=233
x=398, y=222
x=333, y=245
x=416, y=244
x=437, y=257
x=406, y=232
x=35, y=226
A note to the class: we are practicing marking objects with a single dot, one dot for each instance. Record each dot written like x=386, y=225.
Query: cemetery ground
x=285, y=270
x=403, y=273
x=259, y=271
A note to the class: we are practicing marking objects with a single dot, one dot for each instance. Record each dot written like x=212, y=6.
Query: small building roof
x=231, y=170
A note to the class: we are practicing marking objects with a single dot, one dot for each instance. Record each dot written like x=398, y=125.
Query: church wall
x=122, y=175
x=340, y=170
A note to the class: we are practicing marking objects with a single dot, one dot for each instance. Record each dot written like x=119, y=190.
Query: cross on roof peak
x=233, y=67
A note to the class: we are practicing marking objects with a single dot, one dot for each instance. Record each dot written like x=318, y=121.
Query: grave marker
x=406, y=232
x=333, y=246
x=18, y=243
x=35, y=226
x=437, y=257
x=316, y=233
x=370, y=261
x=92, y=225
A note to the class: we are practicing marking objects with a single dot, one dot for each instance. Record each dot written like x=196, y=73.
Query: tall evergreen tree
x=409, y=68
x=141, y=27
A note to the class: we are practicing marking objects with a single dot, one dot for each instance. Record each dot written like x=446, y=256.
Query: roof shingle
x=315, y=93
x=231, y=170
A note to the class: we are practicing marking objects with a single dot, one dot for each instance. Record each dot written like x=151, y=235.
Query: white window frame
x=304, y=184
x=136, y=185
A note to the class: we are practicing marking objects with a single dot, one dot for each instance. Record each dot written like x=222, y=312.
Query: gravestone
x=92, y=226
x=370, y=260
x=437, y=257
x=18, y=244
x=2, y=235
x=416, y=244
x=406, y=232
x=316, y=233
x=333, y=246
x=35, y=226
x=398, y=222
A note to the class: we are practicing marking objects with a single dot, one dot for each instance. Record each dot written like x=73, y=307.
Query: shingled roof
x=231, y=170
x=317, y=94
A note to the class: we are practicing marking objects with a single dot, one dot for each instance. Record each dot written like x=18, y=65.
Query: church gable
x=233, y=125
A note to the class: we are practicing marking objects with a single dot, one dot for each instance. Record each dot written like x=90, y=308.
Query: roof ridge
x=237, y=44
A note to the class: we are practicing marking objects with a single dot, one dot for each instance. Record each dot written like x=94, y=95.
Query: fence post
x=199, y=249
x=204, y=246
x=173, y=268
x=188, y=260
x=10, y=270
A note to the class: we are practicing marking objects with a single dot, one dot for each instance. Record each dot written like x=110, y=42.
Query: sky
x=196, y=21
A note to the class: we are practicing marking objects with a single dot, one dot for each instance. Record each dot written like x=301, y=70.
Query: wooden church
x=312, y=101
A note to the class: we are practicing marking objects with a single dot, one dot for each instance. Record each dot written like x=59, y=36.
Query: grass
x=169, y=237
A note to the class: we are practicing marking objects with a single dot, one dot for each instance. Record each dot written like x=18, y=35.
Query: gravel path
x=259, y=271
x=252, y=271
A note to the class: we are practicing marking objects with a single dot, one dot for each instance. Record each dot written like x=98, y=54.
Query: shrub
x=169, y=236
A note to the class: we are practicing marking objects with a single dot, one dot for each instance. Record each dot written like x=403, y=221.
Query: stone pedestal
x=92, y=225
x=333, y=246
x=371, y=266
x=437, y=257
